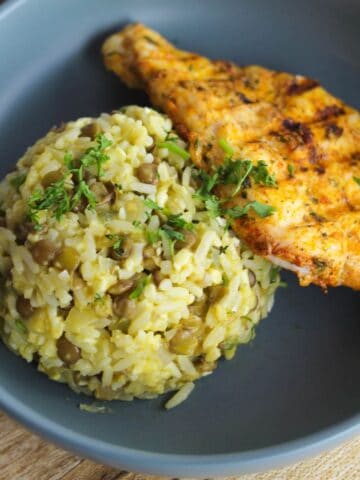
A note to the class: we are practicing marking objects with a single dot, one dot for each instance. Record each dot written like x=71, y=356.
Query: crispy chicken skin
x=309, y=139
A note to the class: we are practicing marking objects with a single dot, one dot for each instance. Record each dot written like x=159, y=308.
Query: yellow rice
x=123, y=358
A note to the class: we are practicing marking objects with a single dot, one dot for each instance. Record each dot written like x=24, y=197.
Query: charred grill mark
x=328, y=112
x=250, y=83
x=355, y=158
x=333, y=131
x=313, y=158
x=301, y=86
x=319, y=264
x=300, y=129
x=151, y=40
x=318, y=218
x=244, y=98
x=320, y=170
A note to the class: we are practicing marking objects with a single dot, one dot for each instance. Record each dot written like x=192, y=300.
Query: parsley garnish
x=235, y=172
x=171, y=229
x=140, y=287
x=152, y=205
x=99, y=297
x=118, y=242
x=20, y=326
x=172, y=146
x=18, y=180
x=291, y=170
x=211, y=201
x=174, y=220
x=96, y=155
x=261, y=209
x=261, y=175
x=55, y=196
x=168, y=232
x=274, y=272
x=152, y=236
x=177, y=221
x=357, y=180
x=61, y=199
x=226, y=147
x=238, y=173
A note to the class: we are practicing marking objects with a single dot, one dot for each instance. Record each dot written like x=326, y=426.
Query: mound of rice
x=137, y=294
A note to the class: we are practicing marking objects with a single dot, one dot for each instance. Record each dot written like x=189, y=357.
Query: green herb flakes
x=226, y=147
x=261, y=175
x=261, y=209
x=274, y=273
x=171, y=145
x=17, y=181
x=142, y=283
x=118, y=242
x=62, y=198
x=20, y=326
x=291, y=170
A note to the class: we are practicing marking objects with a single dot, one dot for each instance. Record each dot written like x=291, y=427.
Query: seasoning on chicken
x=308, y=139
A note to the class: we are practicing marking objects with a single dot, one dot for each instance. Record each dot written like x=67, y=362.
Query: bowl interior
x=300, y=374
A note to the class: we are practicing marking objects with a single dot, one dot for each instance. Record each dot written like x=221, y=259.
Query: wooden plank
x=87, y=470
x=24, y=456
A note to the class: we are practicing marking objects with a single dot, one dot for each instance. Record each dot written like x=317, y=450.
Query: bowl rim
x=181, y=465
x=169, y=464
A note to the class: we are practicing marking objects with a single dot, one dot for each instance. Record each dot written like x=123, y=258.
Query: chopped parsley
x=140, y=287
x=96, y=155
x=291, y=170
x=60, y=197
x=223, y=249
x=274, y=272
x=357, y=180
x=238, y=173
x=18, y=180
x=226, y=147
x=20, y=326
x=170, y=143
x=178, y=221
x=152, y=236
x=261, y=175
x=152, y=205
x=118, y=240
x=99, y=297
x=55, y=197
x=235, y=172
x=168, y=232
x=261, y=209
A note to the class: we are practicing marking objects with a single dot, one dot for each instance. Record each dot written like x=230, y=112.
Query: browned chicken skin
x=309, y=139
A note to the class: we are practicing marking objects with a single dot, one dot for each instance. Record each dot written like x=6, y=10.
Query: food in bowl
x=116, y=277
x=308, y=139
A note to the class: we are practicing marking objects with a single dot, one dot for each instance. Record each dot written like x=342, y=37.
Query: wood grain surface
x=23, y=456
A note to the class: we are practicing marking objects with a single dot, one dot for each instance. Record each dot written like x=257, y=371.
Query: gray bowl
x=295, y=389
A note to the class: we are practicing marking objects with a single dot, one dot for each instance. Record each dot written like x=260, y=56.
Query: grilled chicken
x=309, y=139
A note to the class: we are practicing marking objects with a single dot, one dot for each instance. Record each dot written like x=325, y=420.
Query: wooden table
x=24, y=456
